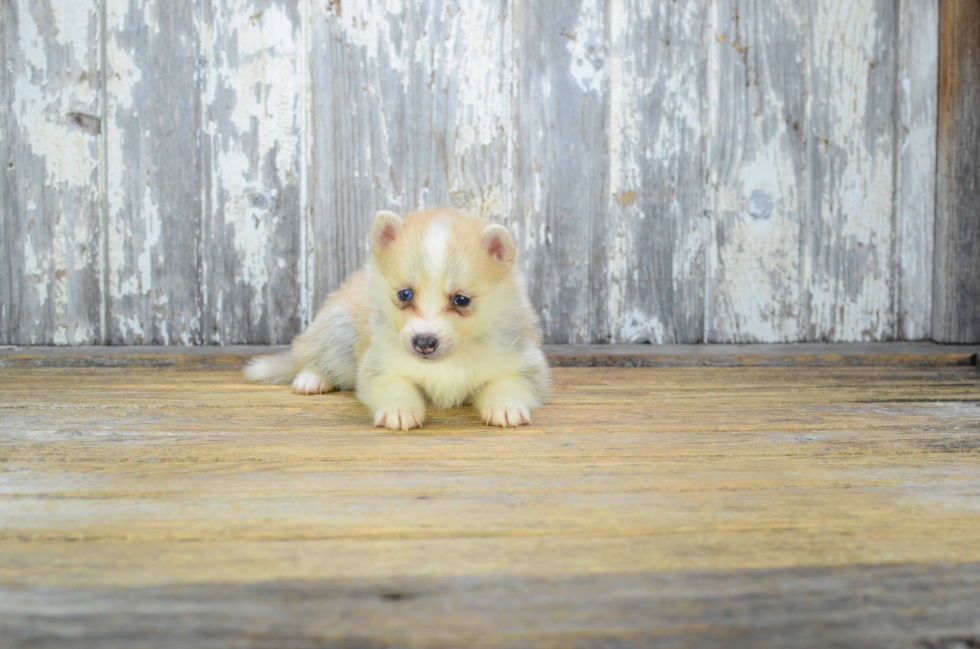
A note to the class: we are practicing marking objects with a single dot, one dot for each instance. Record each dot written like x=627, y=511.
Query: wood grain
x=868, y=606
x=49, y=186
x=185, y=506
x=757, y=144
x=956, y=289
x=563, y=158
x=648, y=268
x=849, y=253
x=154, y=171
x=254, y=219
x=916, y=116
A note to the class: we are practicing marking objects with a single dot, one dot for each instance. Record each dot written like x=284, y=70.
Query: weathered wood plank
x=898, y=606
x=833, y=452
x=254, y=266
x=562, y=159
x=757, y=166
x=648, y=265
x=413, y=109
x=49, y=185
x=956, y=285
x=772, y=355
x=605, y=355
x=916, y=106
x=185, y=508
x=850, y=244
x=154, y=170
x=6, y=231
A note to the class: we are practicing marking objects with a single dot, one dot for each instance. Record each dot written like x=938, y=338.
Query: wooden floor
x=690, y=507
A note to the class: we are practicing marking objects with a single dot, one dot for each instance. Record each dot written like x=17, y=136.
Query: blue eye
x=461, y=300
x=405, y=295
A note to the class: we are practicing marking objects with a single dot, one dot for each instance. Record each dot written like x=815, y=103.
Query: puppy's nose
x=425, y=344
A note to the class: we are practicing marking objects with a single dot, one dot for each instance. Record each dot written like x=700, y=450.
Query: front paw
x=513, y=413
x=399, y=417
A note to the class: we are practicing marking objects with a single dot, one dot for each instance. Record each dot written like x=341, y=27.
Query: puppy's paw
x=510, y=413
x=399, y=417
x=311, y=383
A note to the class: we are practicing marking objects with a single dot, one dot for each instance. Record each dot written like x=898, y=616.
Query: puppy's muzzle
x=425, y=344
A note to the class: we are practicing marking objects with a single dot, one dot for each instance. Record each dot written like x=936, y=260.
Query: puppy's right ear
x=387, y=227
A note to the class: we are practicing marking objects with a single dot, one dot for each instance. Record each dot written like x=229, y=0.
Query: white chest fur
x=454, y=380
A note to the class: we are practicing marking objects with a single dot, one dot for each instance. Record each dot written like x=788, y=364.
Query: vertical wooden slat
x=648, y=264
x=758, y=53
x=7, y=229
x=413, y=108
x=49, y=198
x=562, y=162
x=253, y=264
x=849, y=247
x=956, y=284
x=917, y=89
x=154, y=172
x=308, y=243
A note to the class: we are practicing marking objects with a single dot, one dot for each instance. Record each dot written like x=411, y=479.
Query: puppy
x=439, y=316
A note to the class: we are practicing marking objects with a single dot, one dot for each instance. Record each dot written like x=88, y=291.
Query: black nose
x=425, y=344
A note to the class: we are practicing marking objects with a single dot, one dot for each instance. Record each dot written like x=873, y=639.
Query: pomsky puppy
x=440, y=316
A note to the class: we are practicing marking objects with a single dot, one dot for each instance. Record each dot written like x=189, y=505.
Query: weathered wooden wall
x=727, y=170
x=956, y=316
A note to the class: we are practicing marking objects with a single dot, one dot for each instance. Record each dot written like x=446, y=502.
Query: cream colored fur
x=488, y=353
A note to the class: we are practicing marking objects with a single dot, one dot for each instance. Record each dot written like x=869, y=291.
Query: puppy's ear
x=387, y=228
x=498, y=244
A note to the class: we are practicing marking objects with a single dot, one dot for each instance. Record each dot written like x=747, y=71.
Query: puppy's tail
x=280, y=369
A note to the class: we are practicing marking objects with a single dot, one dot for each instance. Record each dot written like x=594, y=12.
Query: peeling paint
x=152, y=173
x=655, y=246
x=49, y=191
x=671, y=171
x=586, y=44
x=640, y=327
x=253, y=92
x=850, y=289
x=916, y=173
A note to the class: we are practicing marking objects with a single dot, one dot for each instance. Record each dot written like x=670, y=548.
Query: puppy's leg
x=311, y=382
x=395, y=402
x=506, y=402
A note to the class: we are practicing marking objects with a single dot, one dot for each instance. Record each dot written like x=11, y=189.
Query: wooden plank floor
x=696, y=506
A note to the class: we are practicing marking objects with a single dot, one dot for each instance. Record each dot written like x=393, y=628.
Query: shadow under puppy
x=439, y=316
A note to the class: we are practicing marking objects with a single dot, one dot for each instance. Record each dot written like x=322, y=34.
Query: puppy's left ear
x=498, y=244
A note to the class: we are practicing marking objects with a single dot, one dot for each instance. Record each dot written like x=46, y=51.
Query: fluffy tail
x=280, y=369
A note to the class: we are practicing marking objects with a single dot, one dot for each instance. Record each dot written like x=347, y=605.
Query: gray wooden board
x=562, y=163
x=916, y=108
x=956, y=291
x=648, y=271
x=49, y=198
x=254, y=221
x=757, y=147
x=673, y=172
x=807, y=354
x=6, y=229
x=849, y=243
x=154, y=173
x=893, y=606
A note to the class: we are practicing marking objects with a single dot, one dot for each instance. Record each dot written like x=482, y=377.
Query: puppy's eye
x=405, y=295
x=461, y=300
